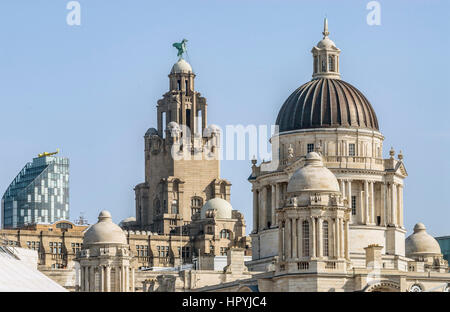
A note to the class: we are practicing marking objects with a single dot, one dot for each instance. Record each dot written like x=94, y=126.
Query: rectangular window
x=310, y=147
x=305, y=232
x=354, y=205
x=351, y=149
x=325, y=238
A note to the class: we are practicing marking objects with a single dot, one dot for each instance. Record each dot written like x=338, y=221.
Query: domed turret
x=220, y=207
x=313, y=177
x=420, y=243
x=104, y=232
x=326, y=101
x=181, y=67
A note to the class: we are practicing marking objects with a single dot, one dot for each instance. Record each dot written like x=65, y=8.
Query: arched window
x=174, y=206
x=196, y=205
x=176, y=197
x=157, y=206
x=325, y=238
x=324, y=66
x=225, y=234
x=305, y=240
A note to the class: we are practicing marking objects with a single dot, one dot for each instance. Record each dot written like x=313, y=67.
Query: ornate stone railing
x=304, y=265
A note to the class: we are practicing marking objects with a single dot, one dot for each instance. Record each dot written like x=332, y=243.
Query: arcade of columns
x=267, y=198
x=107, y=278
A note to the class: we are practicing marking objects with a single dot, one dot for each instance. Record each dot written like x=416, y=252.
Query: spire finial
x=325, y=28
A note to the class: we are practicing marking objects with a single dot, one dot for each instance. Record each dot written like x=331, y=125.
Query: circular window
x=415, y=288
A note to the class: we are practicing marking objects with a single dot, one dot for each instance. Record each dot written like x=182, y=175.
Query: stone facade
x=372, y=186
x=182, y=167
x=328, y=205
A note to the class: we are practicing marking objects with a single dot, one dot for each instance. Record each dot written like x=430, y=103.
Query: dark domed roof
x=325, y=103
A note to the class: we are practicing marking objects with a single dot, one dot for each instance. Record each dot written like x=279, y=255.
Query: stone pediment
x=400, y=169
x=291, y=168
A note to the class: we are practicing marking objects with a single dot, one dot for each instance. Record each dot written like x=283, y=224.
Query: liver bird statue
x=181, y=47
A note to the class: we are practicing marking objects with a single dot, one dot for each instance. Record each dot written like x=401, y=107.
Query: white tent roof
x=18, y=274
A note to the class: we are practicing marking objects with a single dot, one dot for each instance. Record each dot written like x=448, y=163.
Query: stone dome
x=181, y=67
x=222, y=209
x=313, y=177
x=420, y=243
x=326, y=43
x=326, y=103
x=104, y=232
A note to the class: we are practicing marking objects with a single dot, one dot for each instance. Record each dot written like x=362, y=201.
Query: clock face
x=415, y=288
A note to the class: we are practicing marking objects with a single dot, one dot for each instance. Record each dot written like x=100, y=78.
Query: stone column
x=360, y=210
x=108, y=279
x=273, y=205
x=277, y=195
x=372, y=203
x=383, y=204
x=101, y=273
x=92, y=279
x=393, y=203
x=82, y=278
x=132, y=280
x=281, y=250
x=118, y=282
x=86, y=278
x=124, y=278
x=300, y=237
x=347, y=251
x=366, y=203
x=313, y=237
x=341, y=236
x=349, y=192
x=255, y=210
x=265, y=205
x=400, y=205
x=336, y=238
x=294, y=239
x=288, y=233
x=127, y=279
x=342, y=184
x=319, y=237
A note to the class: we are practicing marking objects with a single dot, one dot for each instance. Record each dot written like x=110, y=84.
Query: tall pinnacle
x=325, y=28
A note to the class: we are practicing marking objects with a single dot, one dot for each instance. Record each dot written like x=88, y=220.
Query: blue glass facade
x=444, y=243
x=39, y=193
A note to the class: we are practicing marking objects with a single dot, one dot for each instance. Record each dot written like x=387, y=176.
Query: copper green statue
x=181, y=47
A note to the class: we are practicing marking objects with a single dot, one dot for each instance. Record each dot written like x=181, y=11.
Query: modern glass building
x=444, y=243
x=38, y=194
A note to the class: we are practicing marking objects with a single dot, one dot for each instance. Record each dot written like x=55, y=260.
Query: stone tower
x=182, y=166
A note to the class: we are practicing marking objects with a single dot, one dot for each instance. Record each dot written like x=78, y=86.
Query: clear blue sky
x=91, y=90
